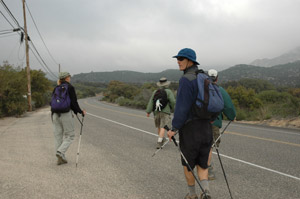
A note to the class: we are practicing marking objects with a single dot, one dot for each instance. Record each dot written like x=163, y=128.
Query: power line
x=38, y=56
x=40, y=34
x=6, y=19
x=49, y=73
x=46, y=67
x=11, y=15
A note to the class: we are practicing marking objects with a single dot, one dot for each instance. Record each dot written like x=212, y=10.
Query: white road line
x=121, y=124
x=261, y=167
x=242, y=161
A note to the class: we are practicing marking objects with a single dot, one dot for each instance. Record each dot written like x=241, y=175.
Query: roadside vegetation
x=13, y=90
x=255, y=100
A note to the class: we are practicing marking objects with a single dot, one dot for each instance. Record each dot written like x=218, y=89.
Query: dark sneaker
x=61, y=159
x=164, y=140
x=159, y=145
x=206, y=195
x=188, y=196
x=211, y=173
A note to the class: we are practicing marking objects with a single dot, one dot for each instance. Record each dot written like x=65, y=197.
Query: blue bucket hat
x=187, y=53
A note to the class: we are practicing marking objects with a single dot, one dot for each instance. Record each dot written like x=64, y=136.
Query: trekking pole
x=214, y=144
x=81, y=122
x=224, y=172
x=175, y=142
x=160, y=148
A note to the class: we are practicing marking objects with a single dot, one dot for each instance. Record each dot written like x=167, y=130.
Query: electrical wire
x=11, y=15
x=6, y=18
x=40, y=35
x=44, y=63
x=36, y=53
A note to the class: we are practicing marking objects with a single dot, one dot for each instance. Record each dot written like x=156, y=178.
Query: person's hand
x=148, y=114
x=170, y=134
x=83, y=113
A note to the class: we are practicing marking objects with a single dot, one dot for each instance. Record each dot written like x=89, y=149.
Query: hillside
x=127, y=76
x=280, y=75
x=289, y=57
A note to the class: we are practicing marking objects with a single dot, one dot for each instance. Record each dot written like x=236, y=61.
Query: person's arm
x=185, y=100
x=171, y=100
x=229, y=109
x=150, y=105
x=74, y=103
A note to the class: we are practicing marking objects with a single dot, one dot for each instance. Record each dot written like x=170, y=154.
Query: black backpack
x=160, y=100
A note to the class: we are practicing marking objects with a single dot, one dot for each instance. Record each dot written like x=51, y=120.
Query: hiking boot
x=202, y=195
x=211, y=173
x=61, y=159
x=159, y=145
x=188, y=196
x=164, y=140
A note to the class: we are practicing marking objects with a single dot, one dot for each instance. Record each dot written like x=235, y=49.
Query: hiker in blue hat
x=195, y=135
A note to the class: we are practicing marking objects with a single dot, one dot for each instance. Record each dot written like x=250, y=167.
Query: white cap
x=212, y=73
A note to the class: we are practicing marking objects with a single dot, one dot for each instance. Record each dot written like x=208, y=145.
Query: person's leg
x=203, y=176
x=58, y=131
x=69, y=133
x=216, y=134
x=191, y=183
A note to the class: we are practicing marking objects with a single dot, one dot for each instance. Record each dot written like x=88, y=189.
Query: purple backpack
x=60, y=101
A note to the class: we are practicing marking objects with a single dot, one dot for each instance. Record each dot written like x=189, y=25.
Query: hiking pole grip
x=173, y=138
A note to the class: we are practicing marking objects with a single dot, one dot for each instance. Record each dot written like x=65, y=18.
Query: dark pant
x=195, y=140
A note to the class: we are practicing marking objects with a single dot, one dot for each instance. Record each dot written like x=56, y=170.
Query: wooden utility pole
x=27, y=61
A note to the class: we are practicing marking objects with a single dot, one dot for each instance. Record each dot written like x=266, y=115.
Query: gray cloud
x=143, y=35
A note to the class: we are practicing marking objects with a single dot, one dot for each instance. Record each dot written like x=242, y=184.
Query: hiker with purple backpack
x=63, y=102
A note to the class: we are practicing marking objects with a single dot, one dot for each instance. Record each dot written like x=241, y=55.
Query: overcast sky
x=143, y=35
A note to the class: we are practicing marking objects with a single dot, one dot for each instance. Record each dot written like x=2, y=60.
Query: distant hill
x=127, y=76
x=289, y=57
x=280, y=75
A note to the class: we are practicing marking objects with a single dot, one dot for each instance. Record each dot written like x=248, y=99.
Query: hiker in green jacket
x=162, y=115
x=228, y=111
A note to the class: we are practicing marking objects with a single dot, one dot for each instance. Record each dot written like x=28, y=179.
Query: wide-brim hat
x=187, y=53
x=63, y=75
x=163, y=82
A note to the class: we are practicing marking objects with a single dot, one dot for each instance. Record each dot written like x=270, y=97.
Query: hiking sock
x=192, y=190
x=160, y=139
x=204, y=184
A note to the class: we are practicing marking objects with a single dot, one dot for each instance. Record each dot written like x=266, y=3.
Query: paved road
x=115, y=159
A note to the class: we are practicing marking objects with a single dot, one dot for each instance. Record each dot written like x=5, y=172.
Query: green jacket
x=228, y=110
x=170, y=106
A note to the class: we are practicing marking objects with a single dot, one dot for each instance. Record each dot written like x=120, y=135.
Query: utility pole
x=58, y=68
x=27, y=61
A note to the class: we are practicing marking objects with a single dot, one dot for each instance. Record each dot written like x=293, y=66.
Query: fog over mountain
x=289, y=57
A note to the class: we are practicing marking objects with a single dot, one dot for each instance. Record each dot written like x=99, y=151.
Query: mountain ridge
x=288, y=57
x=279, y=75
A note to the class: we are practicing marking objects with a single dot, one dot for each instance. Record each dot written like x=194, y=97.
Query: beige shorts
x=161, y=119
x=216, y=134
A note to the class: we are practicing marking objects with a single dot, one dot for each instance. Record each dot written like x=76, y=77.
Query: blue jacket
x=186, y=97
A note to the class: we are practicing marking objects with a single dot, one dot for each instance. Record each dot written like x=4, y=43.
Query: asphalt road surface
x=116, y=160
